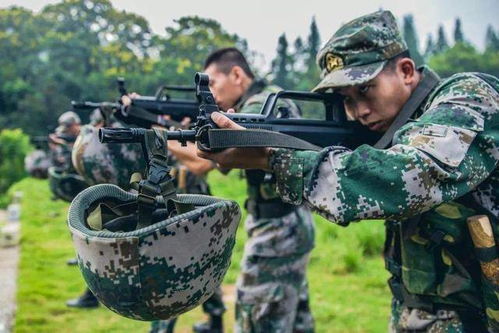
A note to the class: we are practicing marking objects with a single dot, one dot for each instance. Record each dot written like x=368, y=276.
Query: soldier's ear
x=237, y=74
x=407, y=69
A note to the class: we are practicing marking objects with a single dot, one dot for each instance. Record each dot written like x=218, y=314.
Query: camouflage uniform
x=440, y=170
x=37, y=163
x=64, y=181
x=272, y=292
x=100, y=164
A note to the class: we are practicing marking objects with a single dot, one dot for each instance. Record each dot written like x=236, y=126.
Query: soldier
x=272, y=293
x=37, y=163
x=61, y=142
x=427, y=178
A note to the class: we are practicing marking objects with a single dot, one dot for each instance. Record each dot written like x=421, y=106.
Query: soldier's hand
x=126, y=100
x=236, y=158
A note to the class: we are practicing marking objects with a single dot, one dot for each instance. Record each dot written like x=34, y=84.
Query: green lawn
x=346, y=274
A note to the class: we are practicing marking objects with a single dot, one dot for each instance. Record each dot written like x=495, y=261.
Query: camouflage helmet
x=64, y=185
x=158, y=271
x=98, y=163
x=359, y=50
x=68, y=118
x=152, y=254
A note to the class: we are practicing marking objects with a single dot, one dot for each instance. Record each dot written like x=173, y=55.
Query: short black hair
x=392, y=63
x=225, y=59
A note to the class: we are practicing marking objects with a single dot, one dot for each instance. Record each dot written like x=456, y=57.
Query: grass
x=346, y=274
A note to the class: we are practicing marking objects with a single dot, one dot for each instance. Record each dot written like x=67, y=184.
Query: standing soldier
x=272, y=293
x=428, y=178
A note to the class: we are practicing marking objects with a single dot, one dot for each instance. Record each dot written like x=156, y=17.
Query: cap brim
x=350, y=76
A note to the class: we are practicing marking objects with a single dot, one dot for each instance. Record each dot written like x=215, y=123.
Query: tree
x=430, y=47
x=458, y=32
x=463, y=57
x=411, y=38
x=281, y=64
x=491, y=39
x=442, y=43
x=75, y=49
x=313, y=43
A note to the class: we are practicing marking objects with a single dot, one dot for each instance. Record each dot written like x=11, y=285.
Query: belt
x=268, y=209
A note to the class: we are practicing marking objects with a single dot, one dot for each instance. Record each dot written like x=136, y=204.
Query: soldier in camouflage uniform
x=69, y=127
x=435, y=175
x=37, y=163
x=272, y=292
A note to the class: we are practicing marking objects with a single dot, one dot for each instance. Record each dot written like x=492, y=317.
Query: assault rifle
x=41, y=141
x=162, y=103
x=263, y=130
x=132, y=116
x=146, y=111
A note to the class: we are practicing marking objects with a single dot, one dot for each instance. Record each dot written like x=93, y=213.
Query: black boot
x=163, y=326
x=85, y=301
x=214, y=325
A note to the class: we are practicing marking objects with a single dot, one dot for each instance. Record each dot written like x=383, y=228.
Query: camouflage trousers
x=213, y=306
x=272, y=291
x=404, y=320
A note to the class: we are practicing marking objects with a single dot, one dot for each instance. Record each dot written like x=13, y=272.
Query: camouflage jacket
x=451, y=150
x=252, y=102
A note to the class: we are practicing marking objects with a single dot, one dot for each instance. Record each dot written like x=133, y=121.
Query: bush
x=14, y=145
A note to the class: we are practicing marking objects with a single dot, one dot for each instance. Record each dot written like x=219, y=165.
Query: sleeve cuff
x=287, y=167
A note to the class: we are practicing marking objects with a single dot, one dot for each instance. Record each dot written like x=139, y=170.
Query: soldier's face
x=225, y=88
x=376, y=103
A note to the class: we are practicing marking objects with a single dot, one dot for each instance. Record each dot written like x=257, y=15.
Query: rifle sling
x=228, y=138
x=423, y=89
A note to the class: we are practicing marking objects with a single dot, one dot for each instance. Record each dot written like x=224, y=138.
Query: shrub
x=14, y=145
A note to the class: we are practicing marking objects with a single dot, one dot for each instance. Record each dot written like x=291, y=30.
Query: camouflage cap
x=69, y=118
x=358, y=51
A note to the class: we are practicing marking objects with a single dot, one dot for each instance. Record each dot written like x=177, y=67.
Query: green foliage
x=75, y=49
x=463, y=57
x=411, y=38
x=442, y=43
x=14, y=145
x=430, y=47
x=491, y=39
x=281, y=65
x=313, y=43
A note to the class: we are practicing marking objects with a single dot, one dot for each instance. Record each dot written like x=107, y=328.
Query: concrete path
x=9, y=258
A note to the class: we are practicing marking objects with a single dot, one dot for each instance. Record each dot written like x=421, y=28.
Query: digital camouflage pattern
x=160, y=271
x=37, y=164
x=451, y=150
x=358, y=51
x=101, y=163
x=272, y=292
x=64, y=182
x=404, y=319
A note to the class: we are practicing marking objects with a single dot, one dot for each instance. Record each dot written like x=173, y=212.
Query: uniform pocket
x=259, y=306
x=447, y=144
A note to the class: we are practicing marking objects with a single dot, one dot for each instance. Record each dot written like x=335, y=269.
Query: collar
x=256, y=87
